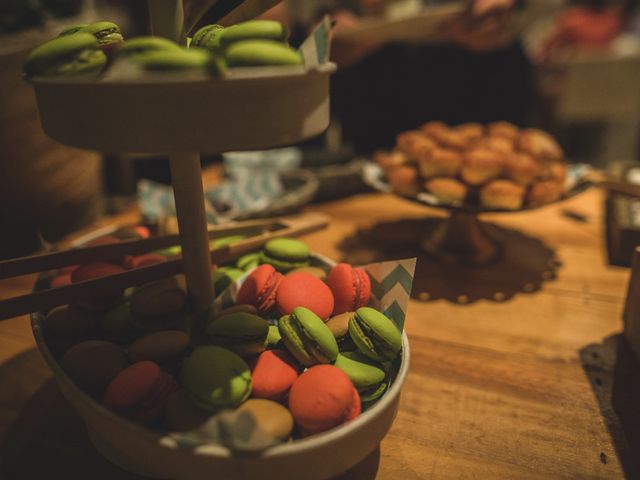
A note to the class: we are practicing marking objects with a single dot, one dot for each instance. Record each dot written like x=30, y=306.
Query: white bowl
x=146, y=452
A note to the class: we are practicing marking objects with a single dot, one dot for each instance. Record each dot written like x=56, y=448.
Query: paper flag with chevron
x=390, y=286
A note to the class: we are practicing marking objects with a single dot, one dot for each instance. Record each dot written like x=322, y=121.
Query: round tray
x=462, y=238
x=181, y=114
x=153, y=454
x=577, y=182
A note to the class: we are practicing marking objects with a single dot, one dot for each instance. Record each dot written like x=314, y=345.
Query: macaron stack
x=301, y=352
x=92, y=49
x=496, y=166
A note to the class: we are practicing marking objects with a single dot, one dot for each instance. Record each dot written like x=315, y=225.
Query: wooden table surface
x=514, y=389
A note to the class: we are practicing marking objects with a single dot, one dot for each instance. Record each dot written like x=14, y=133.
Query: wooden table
x=517, y=389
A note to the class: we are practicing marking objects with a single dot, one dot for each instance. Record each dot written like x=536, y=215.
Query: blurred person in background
x=479, y=73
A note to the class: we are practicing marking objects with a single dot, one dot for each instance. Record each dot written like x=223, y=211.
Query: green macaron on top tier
x=105, y=32
x=216, y=378
x=307, y=337
x=207, y=37
x=76, y=54
x=73, y=29
x=140, y=46
x=285, y=254
x=256, y=53
x=244, y=333
x=374, y=334
x=253, y=30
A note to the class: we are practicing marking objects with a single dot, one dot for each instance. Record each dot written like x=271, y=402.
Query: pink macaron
x=140, y=391
x=351, y=288
x=260, y=288
x=304, y=290
x=322, y=398
x=90, y=271
x=272, y=374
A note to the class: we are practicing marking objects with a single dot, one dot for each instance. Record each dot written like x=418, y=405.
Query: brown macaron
x=69, y=321
x=502, y=194
x=270, y=417
x=181, y=414
x=413, y=143
x=93, y=364
x=390, y=159
x=159, y=346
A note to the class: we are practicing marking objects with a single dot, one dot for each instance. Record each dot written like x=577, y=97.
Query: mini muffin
x=503, y=129
x=472, y=132
x=390, y=159
x=498, y=144
x=440, y=162
x=545, y=191
x=480, y=165
x=556, y=171
x=521, y=168
x=447, y=190
x=432, y=129
x=540, y=145
x=413, y=143
x=404, y=180
x=503, y=194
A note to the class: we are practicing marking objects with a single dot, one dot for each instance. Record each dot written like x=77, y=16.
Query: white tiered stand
x=183, y=118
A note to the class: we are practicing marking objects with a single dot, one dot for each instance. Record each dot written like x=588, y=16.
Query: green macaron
x=307, y=337
x=273, y=337
x=73, y=29
x=225, y=276
x=367, y=375
x=135, y=47
x=105, y=32
x=253, y=30
x=226, y=241
x=216, y=378
x=257, y=53
x=248, y=261
x=76, y=54
x=207, y=37
x=174, y=60
x=244, y=333
x=374, y=334
x=285, y=254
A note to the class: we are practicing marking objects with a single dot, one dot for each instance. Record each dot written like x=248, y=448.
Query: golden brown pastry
x=545, y=191
x=404, y=180
x=447, y=190
x=540, y=145
x=440, y=162
x=413, y=143
x=390, y=159
x=553, y=171
x=432, y=129
x=503, y=129
x=472, y=132
x=521, y=168
x=497, y=144
x=502, y=194
x=480, y=165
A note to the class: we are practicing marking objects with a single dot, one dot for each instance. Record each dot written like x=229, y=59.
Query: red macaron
x=140, y=391
x=304, y=290
x=322, y=398
x=272, y=374
x=90, y=271
x=143, y=260
x=260, y=287
x=351, y=288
